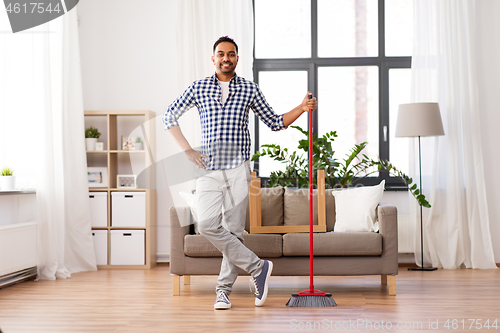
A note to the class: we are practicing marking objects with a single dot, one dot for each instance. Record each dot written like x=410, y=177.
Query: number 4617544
x=470, y=324
x=36, y=7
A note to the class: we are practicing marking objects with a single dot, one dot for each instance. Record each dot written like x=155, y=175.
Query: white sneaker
x=222, y=301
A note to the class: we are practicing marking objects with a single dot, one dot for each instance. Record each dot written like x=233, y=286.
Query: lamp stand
x=422, y=268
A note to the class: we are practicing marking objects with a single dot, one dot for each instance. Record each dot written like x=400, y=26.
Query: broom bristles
x=311, y=301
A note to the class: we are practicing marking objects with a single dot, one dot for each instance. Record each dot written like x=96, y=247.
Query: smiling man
x=224, y=101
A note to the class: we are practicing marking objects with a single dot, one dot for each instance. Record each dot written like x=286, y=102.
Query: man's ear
x=213, y=59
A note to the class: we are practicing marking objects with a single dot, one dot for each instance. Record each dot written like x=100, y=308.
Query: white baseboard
x=162, y=257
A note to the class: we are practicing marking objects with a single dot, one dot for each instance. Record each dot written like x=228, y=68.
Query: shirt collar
x=235, y=78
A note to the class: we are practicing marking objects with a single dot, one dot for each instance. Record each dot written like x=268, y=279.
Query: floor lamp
x=416, y=120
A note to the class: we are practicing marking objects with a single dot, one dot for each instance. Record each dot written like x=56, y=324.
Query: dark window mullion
x=383, y=91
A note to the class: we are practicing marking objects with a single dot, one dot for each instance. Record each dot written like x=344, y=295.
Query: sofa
x=335, y=253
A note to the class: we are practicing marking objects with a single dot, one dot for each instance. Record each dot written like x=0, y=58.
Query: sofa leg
x=392, y=285
x=187, y=280
x=383, y=280
x=176, y=285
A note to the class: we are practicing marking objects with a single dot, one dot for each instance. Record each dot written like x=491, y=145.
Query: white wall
x=128, y=54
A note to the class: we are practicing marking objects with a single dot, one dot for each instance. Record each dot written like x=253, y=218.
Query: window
x=353, y=55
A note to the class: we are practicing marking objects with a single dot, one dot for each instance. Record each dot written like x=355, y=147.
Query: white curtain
x=444, y=70
x=199, y=24
x=43, y=106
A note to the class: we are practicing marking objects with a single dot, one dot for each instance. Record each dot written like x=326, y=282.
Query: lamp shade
x=419, y=119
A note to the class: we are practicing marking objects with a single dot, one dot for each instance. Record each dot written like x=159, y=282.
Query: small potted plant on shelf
x=91, y=136
x=138, y=143
x=7, y=180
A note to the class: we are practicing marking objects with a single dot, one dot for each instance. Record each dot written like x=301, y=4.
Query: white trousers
x=223, y=196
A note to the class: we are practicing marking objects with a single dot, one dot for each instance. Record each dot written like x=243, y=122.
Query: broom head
x=311, y=299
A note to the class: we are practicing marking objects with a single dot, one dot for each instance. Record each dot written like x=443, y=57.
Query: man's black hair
x=225, y=39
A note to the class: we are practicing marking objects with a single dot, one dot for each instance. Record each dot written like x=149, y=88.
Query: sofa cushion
x=263, y=245
x=333, y=244
x=330, y=210
x=271, y=205
x=356, y=209
x=296, y=208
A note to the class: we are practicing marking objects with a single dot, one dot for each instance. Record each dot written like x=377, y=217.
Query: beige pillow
x=297, y=207
x=271, y=205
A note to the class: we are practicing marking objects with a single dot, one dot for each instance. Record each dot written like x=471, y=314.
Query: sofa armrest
x=388, y=228
x=177, y=234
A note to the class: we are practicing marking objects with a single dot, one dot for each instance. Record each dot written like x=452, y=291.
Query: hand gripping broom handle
x=311, y=284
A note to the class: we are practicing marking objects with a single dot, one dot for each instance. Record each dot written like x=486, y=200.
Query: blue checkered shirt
x=224, y=127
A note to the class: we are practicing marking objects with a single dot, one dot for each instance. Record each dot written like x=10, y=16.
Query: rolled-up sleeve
x=266, y=112
x=178, y=107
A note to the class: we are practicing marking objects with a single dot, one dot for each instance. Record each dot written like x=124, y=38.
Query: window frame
x=311, y=65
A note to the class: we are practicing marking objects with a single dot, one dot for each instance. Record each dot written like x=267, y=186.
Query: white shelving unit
x=135, y=239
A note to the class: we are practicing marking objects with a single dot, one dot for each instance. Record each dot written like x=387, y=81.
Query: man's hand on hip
x=196, y=157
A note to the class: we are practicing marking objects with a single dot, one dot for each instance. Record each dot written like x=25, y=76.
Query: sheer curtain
x=200, y=23
x=444, y=70
x=42, y=106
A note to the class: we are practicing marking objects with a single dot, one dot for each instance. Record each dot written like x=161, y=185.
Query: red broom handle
x=311, y=284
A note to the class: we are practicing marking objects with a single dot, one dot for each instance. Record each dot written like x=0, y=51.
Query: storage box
x=100, y=238
x=128, y=209
x=127, y=247
x=98, y=209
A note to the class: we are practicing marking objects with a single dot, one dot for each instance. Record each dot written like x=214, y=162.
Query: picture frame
x=126, y=181
x=128, y=143
x=97, y=176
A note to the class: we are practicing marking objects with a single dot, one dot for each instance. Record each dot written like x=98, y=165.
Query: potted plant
x=91, y=136
x=138, y=143
x=7, y=180
x=338, y=173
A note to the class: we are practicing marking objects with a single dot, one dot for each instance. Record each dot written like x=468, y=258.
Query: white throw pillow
x=355, y=209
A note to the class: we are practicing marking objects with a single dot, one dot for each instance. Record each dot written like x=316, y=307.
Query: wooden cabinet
x=116, y=160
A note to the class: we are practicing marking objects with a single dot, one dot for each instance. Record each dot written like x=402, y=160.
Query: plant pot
x=90, y=143
x=138, y=145
x=7, y=183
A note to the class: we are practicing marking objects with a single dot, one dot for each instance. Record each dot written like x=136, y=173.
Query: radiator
x=18, y=251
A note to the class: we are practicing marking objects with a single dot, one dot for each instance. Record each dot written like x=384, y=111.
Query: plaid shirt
x=224, y=127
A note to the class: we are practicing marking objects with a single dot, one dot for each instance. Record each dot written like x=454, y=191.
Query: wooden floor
x=142, y=301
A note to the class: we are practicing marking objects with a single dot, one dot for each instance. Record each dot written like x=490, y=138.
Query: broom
x=311, y=297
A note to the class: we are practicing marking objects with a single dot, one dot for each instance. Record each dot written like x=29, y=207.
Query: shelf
x=128, y=189
x=105, y=189
x=119, y=113
x=114, y=125
x=114, y=151
x=18, y=192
